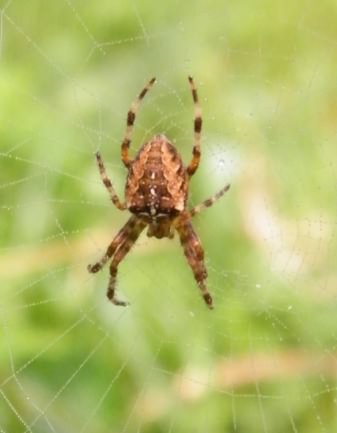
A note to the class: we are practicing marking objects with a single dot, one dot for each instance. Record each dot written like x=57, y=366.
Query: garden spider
x=156, y=193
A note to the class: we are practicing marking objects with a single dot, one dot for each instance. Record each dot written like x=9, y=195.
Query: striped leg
x=118, y=240
x=130, y=121
x=195, y=256
x=123, y=249
x=209, y=202
x=191, y=169
x=107, y=183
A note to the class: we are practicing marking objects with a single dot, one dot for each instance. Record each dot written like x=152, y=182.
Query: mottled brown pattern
x=156, y=193
x=157, y=183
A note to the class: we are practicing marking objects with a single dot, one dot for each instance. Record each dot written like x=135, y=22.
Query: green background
x=265, y=360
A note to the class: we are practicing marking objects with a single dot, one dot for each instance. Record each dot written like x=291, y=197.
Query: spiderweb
x=265, y=359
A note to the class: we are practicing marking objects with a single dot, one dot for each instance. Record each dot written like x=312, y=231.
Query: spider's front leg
x=123, y=249
x=195, y=257
x=119, y=247
x=118, y=240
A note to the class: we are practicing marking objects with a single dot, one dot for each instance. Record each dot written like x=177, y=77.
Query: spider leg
x=191, y=169
x=130, y=121
x=107, y=183
x=123, y=249
x=195, y=257
x=209, y=202
x=118, y=240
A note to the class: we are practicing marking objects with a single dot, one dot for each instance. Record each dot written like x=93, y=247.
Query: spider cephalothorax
x=156, y=194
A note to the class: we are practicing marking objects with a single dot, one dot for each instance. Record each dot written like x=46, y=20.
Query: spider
x=156, y=194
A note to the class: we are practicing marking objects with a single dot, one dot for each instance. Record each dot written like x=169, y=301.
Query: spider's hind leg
x=193, y=166
x=130, y=121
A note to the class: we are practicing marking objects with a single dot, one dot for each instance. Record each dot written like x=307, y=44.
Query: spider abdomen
x=157, y=182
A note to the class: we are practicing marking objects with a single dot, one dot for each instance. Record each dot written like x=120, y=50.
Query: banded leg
x=191, y=169
x=118, y=240
x=209, y=202
x=195, y=257
x=130, y=121
x=107, y=183
x=123, y=249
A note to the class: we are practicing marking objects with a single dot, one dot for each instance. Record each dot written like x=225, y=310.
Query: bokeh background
x=265, y=360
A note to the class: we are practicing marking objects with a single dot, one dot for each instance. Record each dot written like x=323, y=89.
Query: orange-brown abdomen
x=157, y=183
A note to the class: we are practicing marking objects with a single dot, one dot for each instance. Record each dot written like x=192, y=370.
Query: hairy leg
x=107, y=183
x=192, y=168
x=209, y=202
x=195, y=256
x=130, y=121
x=118, y=240
x=123, y=249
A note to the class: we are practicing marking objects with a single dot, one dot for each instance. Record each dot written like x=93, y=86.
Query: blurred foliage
x=266, y=74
